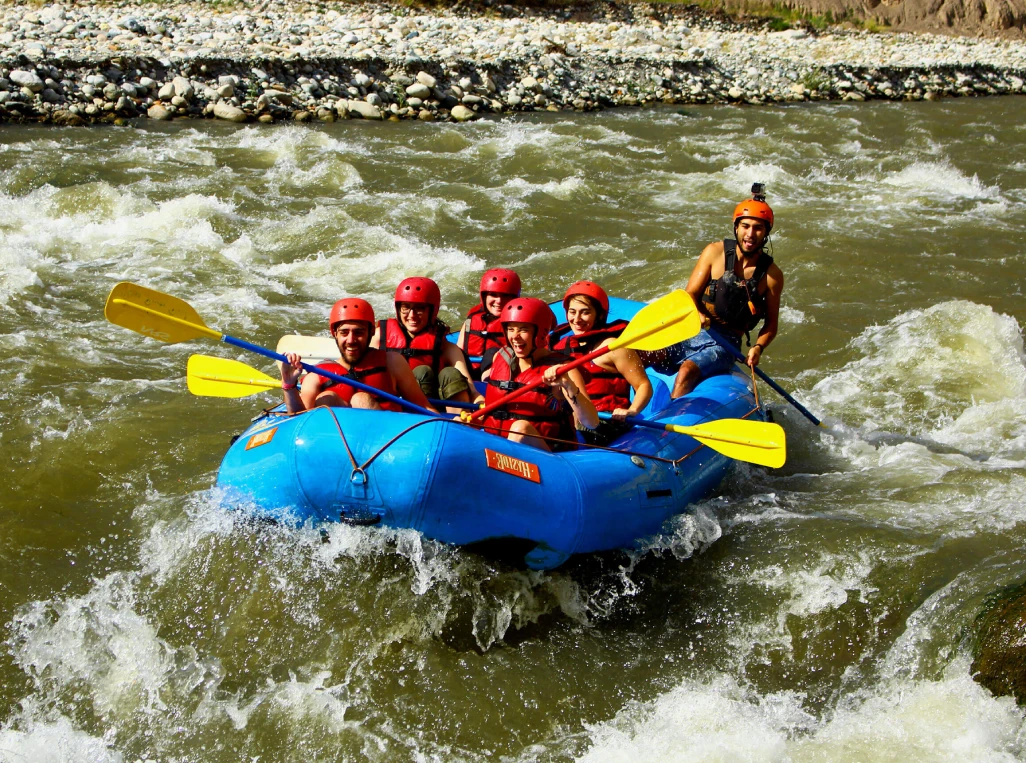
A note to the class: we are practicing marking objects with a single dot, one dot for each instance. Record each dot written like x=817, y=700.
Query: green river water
x=822, y=612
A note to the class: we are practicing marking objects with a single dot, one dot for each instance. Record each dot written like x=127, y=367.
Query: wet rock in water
x=67, y=119
x=462, y=114
x=364, y=109
x=999, y=661
x=228, y=112
x=158, y=112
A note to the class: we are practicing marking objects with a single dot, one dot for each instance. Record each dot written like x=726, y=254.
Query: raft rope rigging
x=361, y=469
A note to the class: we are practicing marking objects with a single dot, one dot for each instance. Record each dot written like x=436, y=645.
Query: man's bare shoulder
x=712, y=251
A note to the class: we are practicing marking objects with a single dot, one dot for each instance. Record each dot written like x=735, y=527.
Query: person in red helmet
x=351, y=322
x=550, y=410
x=481, y=336
x=417, y=335
x=608, y=379
x=735, y=285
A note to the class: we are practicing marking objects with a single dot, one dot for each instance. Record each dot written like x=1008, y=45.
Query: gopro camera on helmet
x=759, y=191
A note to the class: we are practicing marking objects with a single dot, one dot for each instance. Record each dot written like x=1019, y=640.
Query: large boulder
x=1000, y=650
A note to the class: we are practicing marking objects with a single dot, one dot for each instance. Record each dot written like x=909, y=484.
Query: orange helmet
x=350, y=309
x=754, y=208
x=419, y=291
x=530, y=310
x=587, y=289
x=500, y=281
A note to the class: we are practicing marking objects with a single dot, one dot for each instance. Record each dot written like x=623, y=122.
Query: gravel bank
x=76, y=63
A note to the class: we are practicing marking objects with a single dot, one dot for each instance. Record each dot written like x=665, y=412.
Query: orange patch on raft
x=514, y=466
x=261, y=438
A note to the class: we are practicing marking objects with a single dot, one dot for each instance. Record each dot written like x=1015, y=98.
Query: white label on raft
x=261, y=438
x=514, y=466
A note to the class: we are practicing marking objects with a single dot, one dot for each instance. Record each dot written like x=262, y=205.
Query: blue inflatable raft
x=461, y=485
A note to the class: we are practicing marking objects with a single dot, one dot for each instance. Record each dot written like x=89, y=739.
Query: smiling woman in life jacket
x=351, y=322
x=608, y=379
x=548, y=411
x=417, y=335
x=735, y=285
x=481, y=336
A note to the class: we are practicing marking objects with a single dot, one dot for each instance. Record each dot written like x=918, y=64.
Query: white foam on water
x=685, y=535
x=511, y=137
x=925, y=369
x=97, y=640
x=566, y=189
x=931, y=420
x=724, y=187
x=414, y=211
x=718, y=719
x=288, y=142
x=18, y=271
x=369, y=261
x=818, y=588
x=939, y=181
x=94, y=222
x=53, y=741
x=794, y=316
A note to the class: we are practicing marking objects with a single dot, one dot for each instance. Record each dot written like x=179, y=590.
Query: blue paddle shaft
x=634, y=421
x=741, y=358
x=323, y=372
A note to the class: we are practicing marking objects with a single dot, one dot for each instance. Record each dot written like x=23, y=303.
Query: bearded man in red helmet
x=735, y=285
x=351, y=323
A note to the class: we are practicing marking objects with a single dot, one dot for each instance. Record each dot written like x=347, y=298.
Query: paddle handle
x=243, y=344
x=765, y=377
x=539, y=382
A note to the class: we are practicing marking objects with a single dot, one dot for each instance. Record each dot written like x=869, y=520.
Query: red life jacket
x=481, y=332
x=608, y=390
x=372, y=370
x=551, y=417
x=424, y=349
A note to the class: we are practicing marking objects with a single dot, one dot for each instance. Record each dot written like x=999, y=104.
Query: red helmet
x=530, y=310
x=759, y=210
x=587, y=289
x=419, y=291
x=500, y=281
x=350, y=309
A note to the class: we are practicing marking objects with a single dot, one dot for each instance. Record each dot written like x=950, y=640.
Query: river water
x=820, y=612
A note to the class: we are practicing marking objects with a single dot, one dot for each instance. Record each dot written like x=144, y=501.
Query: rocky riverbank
x=74, y=63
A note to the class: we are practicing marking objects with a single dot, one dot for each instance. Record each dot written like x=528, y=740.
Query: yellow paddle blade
x=155, y=314
x=666, y=321
x=757, y=442
x=313, y=349
x=217, y=377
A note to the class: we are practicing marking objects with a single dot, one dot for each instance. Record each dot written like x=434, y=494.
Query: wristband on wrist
x=287, y=387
